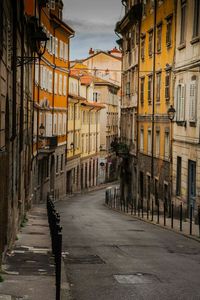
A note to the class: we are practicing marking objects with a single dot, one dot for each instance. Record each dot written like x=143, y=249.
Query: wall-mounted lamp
x=171, y=113
x=41, y=130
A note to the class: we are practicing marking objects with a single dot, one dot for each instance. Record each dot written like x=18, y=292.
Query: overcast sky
x=94, y=22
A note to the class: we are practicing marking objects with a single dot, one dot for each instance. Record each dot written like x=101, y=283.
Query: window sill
x=193, y=123
x=167, y=99
x=169, y=45
x=181, y=46
x=181, y=123
x=195, y=40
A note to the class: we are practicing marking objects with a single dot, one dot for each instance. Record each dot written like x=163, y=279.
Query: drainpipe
x=153, y=100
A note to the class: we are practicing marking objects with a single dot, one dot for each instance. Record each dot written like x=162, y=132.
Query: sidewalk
x=28, y=272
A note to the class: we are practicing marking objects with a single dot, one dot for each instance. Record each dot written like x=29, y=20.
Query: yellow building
x=50, y=106
x=157, y=43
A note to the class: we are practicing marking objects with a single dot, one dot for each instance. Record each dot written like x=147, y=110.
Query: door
x=191, y=183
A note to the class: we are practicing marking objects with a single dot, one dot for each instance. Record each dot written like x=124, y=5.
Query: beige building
x=83, y=131
x=186, y=149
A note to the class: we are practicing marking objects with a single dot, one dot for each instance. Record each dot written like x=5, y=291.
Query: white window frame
x=61, y=50
x=64, y=85
x=56, y=83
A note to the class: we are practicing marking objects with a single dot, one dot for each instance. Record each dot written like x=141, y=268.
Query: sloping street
x=112, y=256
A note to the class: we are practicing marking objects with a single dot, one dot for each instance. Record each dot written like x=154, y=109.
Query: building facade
x=129, y=30
x=18, y=45
x=83, y=131
x=186, y=150
x=50, y=106
x=148, y=29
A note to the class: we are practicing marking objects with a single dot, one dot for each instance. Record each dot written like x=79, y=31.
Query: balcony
x=47, y=145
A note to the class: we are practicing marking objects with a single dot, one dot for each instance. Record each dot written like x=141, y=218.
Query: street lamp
x=171, y=114
x=41, y=130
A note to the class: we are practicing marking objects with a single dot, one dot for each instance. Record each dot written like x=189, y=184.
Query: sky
x=94, y=22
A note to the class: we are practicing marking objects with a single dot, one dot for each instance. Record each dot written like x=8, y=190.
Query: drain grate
x=136, y=278
x=86, y=259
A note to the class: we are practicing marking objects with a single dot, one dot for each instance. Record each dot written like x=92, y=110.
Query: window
x=61, y=49
x=158, y=86
x=169, y=31
x=55, y=83
x=157, y=143
x=133, y=38
x=167, y=85
x=57, y=161
x=64, y=85
x=166, y=144
x=183, y=22
x=196, y=22
x=56, y=47
x=36, y=74
x=150, y=48
x=50, y=81
x=193, y=100
x=95, y=97
x=178, y=176
x=65, y=54
x=159, y=38
x=60, y=84
x=141, y=139
x=61, y=164
x=149, y=141
x=143, y=48
x=180, y=103
x=51, y=44
x=128, y=89
x=142, y=90
x=150, y=88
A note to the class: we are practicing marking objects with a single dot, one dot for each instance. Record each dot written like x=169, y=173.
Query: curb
x=192, y=237
x=65, y=285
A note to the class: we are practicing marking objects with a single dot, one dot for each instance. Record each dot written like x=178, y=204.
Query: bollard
x=142, y=208
x=152, y=212
x=199, y=219
x=164, y=214
x=158, y=212
x=181, y=217
x=132, y=207
x=190, y=219
x=147, y=210
x=127, y=205
x=138, y=206
x=172, y=215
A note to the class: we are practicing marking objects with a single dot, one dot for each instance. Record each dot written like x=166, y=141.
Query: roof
x=113, y=56
x=62, y=24
x=100, y=81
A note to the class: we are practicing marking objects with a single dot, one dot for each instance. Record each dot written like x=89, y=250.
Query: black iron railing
x=159, y=212
x=56, y=240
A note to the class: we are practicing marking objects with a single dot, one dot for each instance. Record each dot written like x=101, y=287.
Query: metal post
x=158, y=212
x=199, y=219
x=164, y=214
x=190, y=219
x=58, y=264
x=142, y=208
x=181, y=217
x=152, y=208
x=147, y=210
x=172, y=214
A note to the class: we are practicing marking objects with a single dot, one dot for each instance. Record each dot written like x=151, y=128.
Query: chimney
x=91, y=51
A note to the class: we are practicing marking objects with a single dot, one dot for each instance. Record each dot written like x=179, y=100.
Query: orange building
x=50, y=105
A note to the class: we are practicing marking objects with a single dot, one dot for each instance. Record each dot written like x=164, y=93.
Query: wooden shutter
x=193, y=99
x=48, y=124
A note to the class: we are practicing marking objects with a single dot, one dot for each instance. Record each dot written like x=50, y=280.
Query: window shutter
x=50, y=81
x=55, y=124
x=61, y=49
x=64, y=85
x=56, y=47
x=48, y=124
x=60, y=84
x=36, y=74
x=193, y=98
x=56, y=83
x=182, y=103
x=41, y=77
x=53, y=45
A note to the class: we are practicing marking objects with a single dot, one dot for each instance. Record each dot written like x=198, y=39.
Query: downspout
x=153, y=100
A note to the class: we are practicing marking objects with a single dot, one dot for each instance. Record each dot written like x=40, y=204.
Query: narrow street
x=112, y=256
